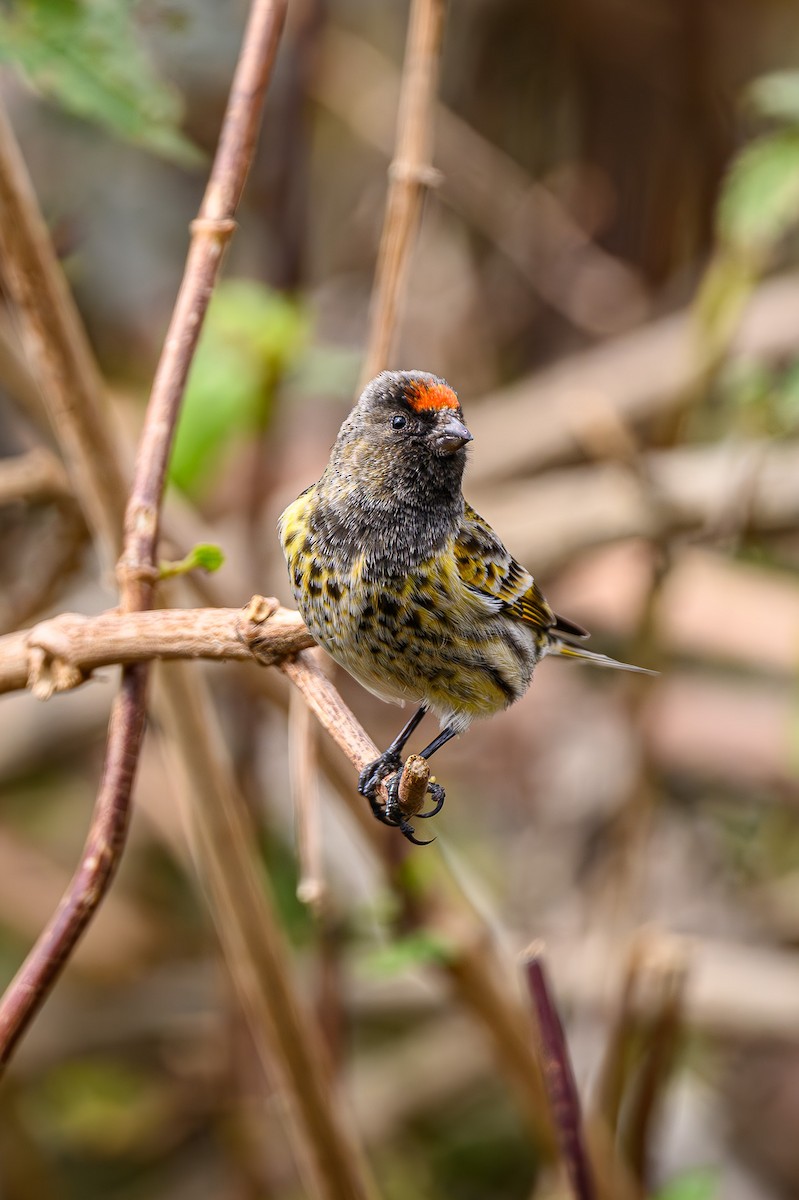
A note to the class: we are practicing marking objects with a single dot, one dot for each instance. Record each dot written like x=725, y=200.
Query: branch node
x=414, y=172
x=253, y=617
x=220, y=228
x=48, y=674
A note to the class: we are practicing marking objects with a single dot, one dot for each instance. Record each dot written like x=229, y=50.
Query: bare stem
x=101, y=854
x=210, y=233
x=64, y=364
x=409, y=172
x=559, y=1078
x=54, y=320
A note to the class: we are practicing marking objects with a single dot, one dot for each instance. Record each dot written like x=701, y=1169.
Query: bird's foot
x=388, y=767
x=394, y=815
x=373, y=775
x=439, y=796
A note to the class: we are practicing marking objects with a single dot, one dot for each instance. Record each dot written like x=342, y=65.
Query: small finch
x=406, y=586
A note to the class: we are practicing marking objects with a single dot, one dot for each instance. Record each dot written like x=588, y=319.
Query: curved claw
x=407, y=831
x=439, y=796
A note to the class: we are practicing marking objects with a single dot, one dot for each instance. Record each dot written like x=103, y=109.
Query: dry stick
x=305, y=792
x=668, y=980
x=559, y=1077
x=60, y=653
x=68, y=374
x=614, y=1069
x=60, y=341
x=408, y=173
x=327, y=1154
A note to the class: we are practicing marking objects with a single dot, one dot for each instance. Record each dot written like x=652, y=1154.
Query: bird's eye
x=399, y=422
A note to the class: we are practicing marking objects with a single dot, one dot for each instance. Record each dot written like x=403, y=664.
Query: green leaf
x=86, y=56
x=775, y=96
x=251, y=338
x=204, y=557
x=760, y=198
x=701, y=1184
x=416, y=949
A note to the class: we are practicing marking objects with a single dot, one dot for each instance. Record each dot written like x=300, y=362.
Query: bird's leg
x=388, y=763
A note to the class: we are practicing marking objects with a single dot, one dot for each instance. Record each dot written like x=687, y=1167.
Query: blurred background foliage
x=608, y=275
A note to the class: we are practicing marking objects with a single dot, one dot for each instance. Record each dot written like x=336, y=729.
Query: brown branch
x=409, y=172
x=326, y=1149
x=66, y=370
x=559, y=1078
x=32, y=983
x=524, y=220
x=59, y=338
x=35, y=477
x=210, y=234
x=61, y=653
x=304, y=783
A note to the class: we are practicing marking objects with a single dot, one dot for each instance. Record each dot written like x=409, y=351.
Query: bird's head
x=407, y=425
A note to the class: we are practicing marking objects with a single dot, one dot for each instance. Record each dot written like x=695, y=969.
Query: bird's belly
x=407, y=639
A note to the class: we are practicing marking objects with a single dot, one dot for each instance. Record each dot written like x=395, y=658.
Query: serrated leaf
x=86, y=56
x=760, y=198
x=775, y=96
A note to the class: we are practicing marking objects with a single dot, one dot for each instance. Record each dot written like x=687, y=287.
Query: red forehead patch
x=423, y=397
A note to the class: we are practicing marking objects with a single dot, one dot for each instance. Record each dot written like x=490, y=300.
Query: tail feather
x=565, y=650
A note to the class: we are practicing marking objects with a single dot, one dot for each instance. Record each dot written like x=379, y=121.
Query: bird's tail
x=565, y=649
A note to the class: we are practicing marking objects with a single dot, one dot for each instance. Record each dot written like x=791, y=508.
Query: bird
x=406, y=586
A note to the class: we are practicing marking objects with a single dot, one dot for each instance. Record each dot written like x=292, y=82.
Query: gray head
x=406, y=434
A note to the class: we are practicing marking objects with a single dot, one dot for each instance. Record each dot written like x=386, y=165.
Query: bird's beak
x=451, y=435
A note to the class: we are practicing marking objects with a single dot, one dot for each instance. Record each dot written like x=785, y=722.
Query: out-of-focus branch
x=410, y=171
x=326, y=1149
x=34, y=477
x=638, y=377
x=63, y=354
x=548, y=520
x=559, y=1077
x=65, y=366
x=521, y=217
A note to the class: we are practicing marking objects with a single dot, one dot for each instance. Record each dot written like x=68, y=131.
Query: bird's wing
x=486, y=566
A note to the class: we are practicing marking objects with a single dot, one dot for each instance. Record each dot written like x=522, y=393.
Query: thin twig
x=305, y=791
x=409, y=173
x=523, y=218
x=559, y=1078
x=105, y=841
x=666, y=978
x=32, y=983
x=65, y=367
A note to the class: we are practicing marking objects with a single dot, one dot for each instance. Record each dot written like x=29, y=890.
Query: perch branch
x=62, y=652
x=409, y=172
